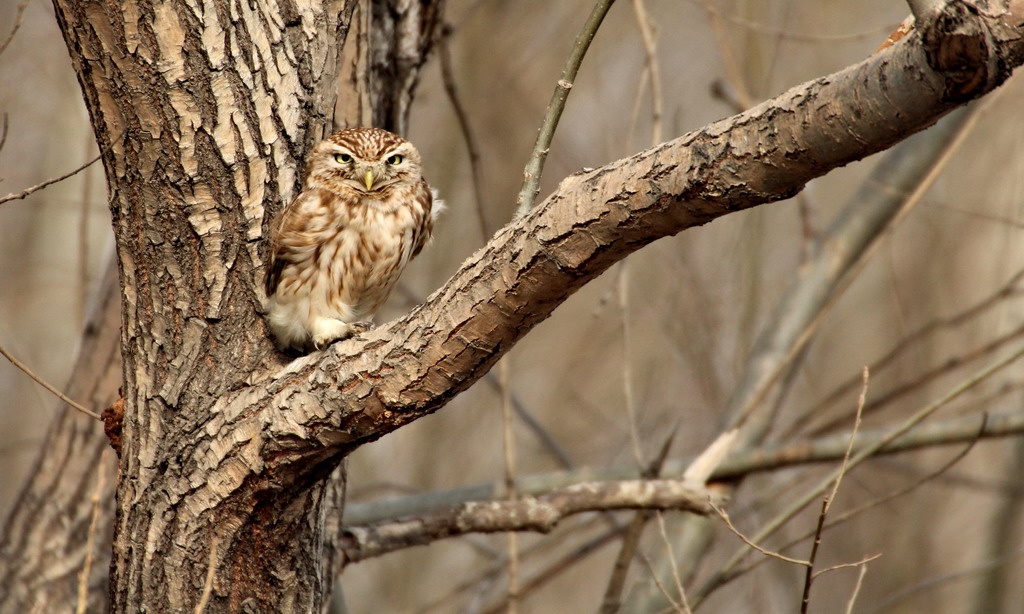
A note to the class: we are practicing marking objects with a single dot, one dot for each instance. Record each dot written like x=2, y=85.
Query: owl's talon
x=362, y=327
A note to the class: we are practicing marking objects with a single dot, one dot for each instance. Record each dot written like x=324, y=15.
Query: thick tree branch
x=413, y=366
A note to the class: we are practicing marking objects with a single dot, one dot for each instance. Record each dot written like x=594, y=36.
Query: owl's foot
x=329, y=331
x=362, y=327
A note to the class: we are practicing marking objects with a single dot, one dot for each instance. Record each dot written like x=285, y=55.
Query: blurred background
x=657, y=343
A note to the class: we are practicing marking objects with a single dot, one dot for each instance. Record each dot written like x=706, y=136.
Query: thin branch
x=539, y=514
x=90, y=542
x=509, y=448
x=44, y=384
x=535, y=167
x=448, y=80
x=925, y=332
x=856, y=589
x=904, y=388
x=768, y=458
x=850, y=514
x=826, y=504
x=612, y=601
x=676, y=606
x=862, y=455
x=860, y=563
x=761, y=28
x=643, y=22
x=627, y=363
x=18, y=15
x=562, y=564
x=853, y=437
x=3, y=132
x=685, y=606
x=746, y=540
x=39, y=186
x=886, y=604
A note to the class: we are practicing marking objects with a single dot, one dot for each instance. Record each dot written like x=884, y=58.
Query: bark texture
x=205, y=110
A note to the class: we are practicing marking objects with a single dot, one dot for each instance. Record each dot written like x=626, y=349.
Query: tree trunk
x=204, y=115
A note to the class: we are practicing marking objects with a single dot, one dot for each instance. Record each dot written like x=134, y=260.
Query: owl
x=337, y=250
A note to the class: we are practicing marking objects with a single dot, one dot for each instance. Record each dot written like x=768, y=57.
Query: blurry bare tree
x=751, y=333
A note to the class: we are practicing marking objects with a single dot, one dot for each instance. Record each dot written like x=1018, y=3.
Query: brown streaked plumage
x=338, y=249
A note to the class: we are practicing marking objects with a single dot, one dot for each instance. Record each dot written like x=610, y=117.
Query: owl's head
x=368, y=160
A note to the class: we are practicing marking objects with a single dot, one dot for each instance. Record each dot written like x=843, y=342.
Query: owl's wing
x=292, y=219
x=430, y=206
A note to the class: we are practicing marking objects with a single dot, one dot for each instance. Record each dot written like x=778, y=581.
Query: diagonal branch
x=413, y=366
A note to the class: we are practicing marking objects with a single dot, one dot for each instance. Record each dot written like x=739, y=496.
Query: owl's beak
x=368, y=179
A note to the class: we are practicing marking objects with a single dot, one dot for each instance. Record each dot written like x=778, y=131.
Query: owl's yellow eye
x=395, y=159
x=343, y=158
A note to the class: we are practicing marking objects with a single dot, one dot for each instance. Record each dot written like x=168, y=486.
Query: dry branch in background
x=526, y=513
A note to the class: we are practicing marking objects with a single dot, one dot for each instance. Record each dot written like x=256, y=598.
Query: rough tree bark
x=204, y=113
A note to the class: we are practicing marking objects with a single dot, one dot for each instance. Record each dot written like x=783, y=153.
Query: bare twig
x=44, y=384
x=826, y=504
x=562, y=564
x=738, y=91
x=3, y=133
x=850, y=514
x=676, y=606
x=856, y=588
x=860, y=563
x=448, y=79
x=39, y=186
x=612, y=600
x=862, y=455
x=822, y=450
x=746, y=540
x=887, y=604
x=539, y=514
x=853, y=437
x=643, y=22
x=535, y=167
x=18, y=15
x=90, y=543
x=761, y=28
x=676, y=578
x=1007, y=290
x=627, y=370
x=509, y=447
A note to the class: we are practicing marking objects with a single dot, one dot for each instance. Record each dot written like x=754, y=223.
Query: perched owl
x=337, y=250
